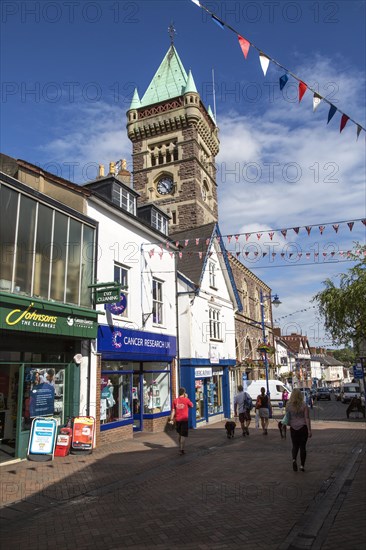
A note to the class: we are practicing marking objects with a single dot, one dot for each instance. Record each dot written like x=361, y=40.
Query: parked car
x=323, y=393
x=350, y=390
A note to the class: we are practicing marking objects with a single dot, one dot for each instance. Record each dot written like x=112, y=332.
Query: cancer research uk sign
x=135, y=342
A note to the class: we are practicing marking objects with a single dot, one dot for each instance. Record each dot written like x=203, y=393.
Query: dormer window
x=159, y=221
x=124, y=199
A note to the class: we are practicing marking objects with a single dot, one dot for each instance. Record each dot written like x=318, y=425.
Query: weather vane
x=172, y=33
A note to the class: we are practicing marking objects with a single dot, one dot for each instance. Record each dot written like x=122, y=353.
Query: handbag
x=286, y=419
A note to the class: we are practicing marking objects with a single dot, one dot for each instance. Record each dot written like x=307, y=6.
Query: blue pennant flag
x=283, y=81
x=332, y=112
x=217, y=21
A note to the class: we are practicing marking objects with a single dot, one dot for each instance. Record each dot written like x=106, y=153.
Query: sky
x=68, y=71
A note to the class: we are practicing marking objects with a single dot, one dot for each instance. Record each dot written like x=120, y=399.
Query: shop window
x=157, y=304
x=121, y=277
x=116, y=396
x=25, y=245
x=87, y=265
x=60, y=237
x=43, y=394
x=124, y=199
x=159, y=221
x=215, y=325
x=42, y=264
x=8, y=221
x=156, y=392
x=73, y=262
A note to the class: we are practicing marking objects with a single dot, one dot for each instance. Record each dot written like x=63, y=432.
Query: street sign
x=108, y=295
x=358, y=371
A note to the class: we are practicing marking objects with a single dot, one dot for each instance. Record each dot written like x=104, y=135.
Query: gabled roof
x=327, y=360
x=170, y=80
x=295, y=341
x=194, y=257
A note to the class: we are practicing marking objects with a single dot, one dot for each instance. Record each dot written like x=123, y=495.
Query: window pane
x=73, y=266
x=156, y=392
x=87, y=266
x=116, y=393
x=8, y=218
x=59, y=257
x=25, y=243
x=43, y=250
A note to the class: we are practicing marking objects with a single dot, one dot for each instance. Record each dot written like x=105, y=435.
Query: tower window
x=153, y=160
x=175, y=154
x=161, y=159
x=174, y=217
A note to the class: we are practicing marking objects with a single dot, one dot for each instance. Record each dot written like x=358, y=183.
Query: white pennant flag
x=316, y=102
x=197, y=3
x=264, y=62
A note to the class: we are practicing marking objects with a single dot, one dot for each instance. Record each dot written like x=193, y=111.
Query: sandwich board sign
x=83, y=435
x=42, y=440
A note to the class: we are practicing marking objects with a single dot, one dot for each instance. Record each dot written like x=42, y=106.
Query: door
x=137, y=402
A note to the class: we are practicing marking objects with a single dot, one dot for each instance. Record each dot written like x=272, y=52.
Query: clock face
x=165, y=185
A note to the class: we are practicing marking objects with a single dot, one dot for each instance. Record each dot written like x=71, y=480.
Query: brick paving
x=222, y=494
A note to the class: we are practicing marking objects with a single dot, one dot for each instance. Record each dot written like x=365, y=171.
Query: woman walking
x=300, y=427
x=262, y=406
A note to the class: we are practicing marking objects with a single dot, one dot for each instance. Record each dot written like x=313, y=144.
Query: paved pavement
x=222, y=494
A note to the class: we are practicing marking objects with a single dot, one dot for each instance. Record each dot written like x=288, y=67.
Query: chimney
x=112, y=169
x=101, y=171
x=123, y=174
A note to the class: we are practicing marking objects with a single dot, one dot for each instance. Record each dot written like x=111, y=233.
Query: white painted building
x=207, y=300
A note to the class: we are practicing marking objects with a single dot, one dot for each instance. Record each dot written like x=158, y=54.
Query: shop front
x=38, y=374
x=135, y=381
x=207, y=386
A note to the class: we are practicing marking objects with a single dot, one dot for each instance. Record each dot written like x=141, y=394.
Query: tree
x=344, y=308
x=346, y=356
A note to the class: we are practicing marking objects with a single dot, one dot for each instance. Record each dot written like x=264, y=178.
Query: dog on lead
x=282, y=428
x=230, y=428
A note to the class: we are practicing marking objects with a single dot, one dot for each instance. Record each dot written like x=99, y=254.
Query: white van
x=350, y=390
x=276, y=388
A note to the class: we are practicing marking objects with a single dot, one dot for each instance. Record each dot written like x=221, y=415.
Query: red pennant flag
x=316, y=254
x=171, y=254
x=290, y=255
x=274, y=254
x=207, y=242
x=176, y=243
x=341, y=253
x=229, y=237
x=307, y=255
x=186, y=242
x=284, y=232
x=296, y=229
x=247, y=235
x=271, y=235
x=200, y=255
x=308, y=229
x=236, y=238
x=321, y=229
x=256, y=254
x=324, y=254
x=218, y=238
x=161, y=255
x=336, y=227
x=344, y=121
x=300, y=254
x=229, y=254
x=259, y=236
x=282, y=254
x=246, y=253
x=244, y=44
x=332, y=253
x=197, y=242
x=237, y=254
x=167, y=245
x=364, y=222
x=264, y=254
x=181, y=255
x=302, y=89
x=350, y=225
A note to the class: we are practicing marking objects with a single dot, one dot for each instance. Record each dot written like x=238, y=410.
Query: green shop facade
x=47, y=322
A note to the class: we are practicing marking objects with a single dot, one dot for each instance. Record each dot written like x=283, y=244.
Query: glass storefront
x=208, y=396
x=116, y=392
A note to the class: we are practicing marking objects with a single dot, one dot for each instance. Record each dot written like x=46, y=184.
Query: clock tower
x=175, y=142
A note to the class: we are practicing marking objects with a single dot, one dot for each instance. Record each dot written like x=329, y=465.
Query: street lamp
x=276, y=302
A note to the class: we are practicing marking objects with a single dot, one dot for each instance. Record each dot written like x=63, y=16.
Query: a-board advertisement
x=42, y=439
x=83, y=433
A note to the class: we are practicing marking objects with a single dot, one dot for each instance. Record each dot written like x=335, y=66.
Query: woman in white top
x=299, y=422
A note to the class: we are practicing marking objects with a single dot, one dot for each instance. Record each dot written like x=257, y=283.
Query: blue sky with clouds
x=68, y=73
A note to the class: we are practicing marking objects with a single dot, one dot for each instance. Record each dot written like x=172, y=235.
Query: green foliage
x=343, y=307
x=346, y=356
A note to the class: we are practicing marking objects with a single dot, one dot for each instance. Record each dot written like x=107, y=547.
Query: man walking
x=180, y=412
x=242, y=406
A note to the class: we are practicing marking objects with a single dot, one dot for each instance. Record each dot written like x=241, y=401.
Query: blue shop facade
x=135, y=379
x=208, y=387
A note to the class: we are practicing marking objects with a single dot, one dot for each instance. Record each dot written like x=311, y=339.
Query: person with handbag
x=297, y=413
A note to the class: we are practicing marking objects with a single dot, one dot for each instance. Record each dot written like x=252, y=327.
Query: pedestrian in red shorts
x=180, y=414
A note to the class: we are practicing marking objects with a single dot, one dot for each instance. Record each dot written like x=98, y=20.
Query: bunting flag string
x=294, y=313
x=266, y=59
x=283, y=233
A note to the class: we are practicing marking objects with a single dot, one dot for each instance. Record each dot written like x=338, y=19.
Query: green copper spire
x=209, y=110
x=169, y=81
x=135, y=103
x=190, y=86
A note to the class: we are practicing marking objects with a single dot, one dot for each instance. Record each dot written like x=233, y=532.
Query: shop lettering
x=12, y=318
x=128, y=340
x=156, y=344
